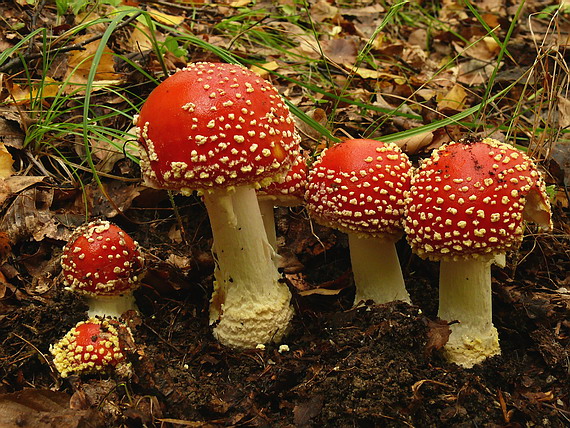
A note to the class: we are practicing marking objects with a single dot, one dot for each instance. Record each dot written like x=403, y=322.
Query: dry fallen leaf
x=319, y=291
x=343, y=50
x=43, y=408
x=413, y=145
x=367, y=73
x=263, y=69
x=438, y=334
x=323, y=10
x=475, y=72
x=6, y=162
x=486, y=49
x=563, y=112
x=240, y=3
x=80, y=62
x=10, y=133
x=165, y=18
x=139, y=39
x=452, y=100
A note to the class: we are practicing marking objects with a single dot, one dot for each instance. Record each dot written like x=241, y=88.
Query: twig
x=77, y=46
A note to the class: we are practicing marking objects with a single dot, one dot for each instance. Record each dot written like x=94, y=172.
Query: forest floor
x=376, y=365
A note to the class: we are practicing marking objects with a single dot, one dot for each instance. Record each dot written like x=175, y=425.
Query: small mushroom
x=92, y=346
x=224, y=131
x=102, y=262
x=465, y=209
x=359, y=187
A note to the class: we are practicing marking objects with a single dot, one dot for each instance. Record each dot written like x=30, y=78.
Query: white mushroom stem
x=267, y=213
x=376, y=268
x=250, y=305
x=111, y=306
x=465, y=296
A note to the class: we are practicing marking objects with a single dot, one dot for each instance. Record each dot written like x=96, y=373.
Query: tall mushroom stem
x=465, y=296
x=249, y=303
x=376, y=268
x=268, y=215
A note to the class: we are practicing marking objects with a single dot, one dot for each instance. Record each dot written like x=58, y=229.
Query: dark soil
x=372, y=366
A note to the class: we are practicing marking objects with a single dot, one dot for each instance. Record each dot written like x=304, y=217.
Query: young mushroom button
x=102, y=262
x=92, y=346
x=223, y=130
x=465, y=209
x=359, y=187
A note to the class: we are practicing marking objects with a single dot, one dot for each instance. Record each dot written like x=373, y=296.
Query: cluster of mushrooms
x=104, y=264
x=223, y=131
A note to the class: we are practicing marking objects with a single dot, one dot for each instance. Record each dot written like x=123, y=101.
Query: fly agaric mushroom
x=92, y=346
x=465, y=209
x=102, y=262
x=358, y=187
x=224, y=131
x=287, y=193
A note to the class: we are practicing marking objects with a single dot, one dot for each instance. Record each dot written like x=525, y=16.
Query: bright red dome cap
x=101, y=259
x=469, y=199
x=359, y=186
x=215, y=125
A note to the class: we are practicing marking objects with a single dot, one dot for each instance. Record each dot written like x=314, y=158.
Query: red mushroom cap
x=359, y=186
x=291, y=190
x=92, y=346
x=101, y=259
x=215, y=125
x=468, y=199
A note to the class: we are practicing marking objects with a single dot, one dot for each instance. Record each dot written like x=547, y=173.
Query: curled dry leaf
x=438, y=334
x=165, y=18
x=6, y=162
x=263, y=69
x=121, y=194
x=29, y=215
x=80, y=62
x=140, y=39
x=416, y=143
x=10, y=133
x=454, y=99
x=44, y=408
x=317, y=114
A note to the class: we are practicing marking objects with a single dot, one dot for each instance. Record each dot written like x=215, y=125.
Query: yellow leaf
x=164, y=18
x=80, y=62
x=239, y=3
x=263, y=69
x=367, y=73
x=50, y=88
x=139, y=39
x=6, y=162
x=452, y=100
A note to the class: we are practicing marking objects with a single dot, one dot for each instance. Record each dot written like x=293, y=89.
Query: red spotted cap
x=215, y=125
x=359, y=186
x=290, y=191
x=101, y=259
x=92, y=346
x=469, y=199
